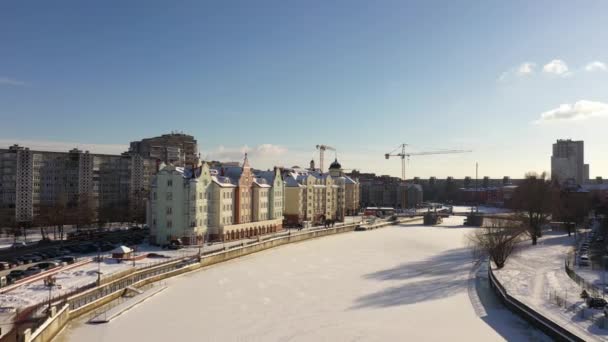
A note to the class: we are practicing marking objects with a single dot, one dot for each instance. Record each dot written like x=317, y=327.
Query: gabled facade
x=179, y=205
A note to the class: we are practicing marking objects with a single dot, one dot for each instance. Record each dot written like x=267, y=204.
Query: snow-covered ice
x=406, y=282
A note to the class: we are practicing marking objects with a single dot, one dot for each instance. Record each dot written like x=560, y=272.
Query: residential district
x=181, y=208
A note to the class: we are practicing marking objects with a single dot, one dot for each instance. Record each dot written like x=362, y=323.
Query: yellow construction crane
x=403, y=154
x=322, y=149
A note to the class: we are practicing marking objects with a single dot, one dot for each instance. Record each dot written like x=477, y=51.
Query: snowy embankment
x=404, y=282
x=72, y=279
x=536, y=274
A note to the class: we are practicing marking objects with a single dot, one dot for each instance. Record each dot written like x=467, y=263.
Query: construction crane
x=322, y=149
x=403, y=154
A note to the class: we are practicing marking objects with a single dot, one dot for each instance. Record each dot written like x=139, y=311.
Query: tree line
x=537, y=201
x=79, y=212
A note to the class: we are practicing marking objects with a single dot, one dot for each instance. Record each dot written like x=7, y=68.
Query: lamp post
x=49, y=282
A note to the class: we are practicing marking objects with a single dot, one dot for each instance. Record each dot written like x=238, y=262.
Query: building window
x=169, y=196
x=169, y=210
x=169, y=224
x=170, y=182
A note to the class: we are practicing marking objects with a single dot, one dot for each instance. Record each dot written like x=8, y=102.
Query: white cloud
x=10, y=82
x=580, y=110
x=63, y=146
x=526, y=68
x=596, y=66
x=557, y=67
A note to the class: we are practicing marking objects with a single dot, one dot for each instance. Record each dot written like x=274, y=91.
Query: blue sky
x=278, y=77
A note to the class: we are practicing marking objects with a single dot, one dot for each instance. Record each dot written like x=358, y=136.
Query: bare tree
x=85, y=212
x=570, y=206
x=532, y=200
x=497, y=239
x=55, y=214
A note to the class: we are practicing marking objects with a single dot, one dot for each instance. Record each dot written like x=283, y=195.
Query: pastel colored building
x=178, y=207
x=276, y=193
x=314, y=196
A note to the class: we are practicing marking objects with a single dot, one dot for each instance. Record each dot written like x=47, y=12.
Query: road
x=399, y=283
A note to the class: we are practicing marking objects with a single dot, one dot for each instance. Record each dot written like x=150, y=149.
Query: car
x=36, y=258
x=19, y=244
x=32, y=270
x=16, y=275
x=25, y=259
x=15, y=262
x=47, y=265
x=41, y=255
x=68, y=259
x=596, y=302
x=4, y=265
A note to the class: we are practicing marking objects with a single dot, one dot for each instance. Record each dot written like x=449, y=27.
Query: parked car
x=19, y=244
x=32, y=270
x=25, y=259
x=4, y=265
x=16, y=275
x=596, y=302
x=15, y=262
x=47, y=265
x=36, y=258
x=68, y=259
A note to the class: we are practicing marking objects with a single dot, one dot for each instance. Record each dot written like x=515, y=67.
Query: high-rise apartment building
x=31, y=180
x=568, y=162
x=177, y=149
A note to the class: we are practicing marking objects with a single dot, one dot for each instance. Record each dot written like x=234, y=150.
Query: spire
x=246, y=161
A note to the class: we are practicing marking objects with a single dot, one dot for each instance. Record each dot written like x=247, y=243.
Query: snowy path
x=533, y=272
x=399, y=283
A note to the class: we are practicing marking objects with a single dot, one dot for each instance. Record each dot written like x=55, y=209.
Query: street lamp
x=49, y=282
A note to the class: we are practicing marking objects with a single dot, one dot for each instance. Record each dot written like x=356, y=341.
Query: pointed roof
x=246, y=161
x=121, y=250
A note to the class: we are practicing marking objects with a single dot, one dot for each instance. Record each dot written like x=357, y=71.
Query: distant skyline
x=276, y=78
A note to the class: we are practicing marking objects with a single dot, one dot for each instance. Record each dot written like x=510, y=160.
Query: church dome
x=335, y=165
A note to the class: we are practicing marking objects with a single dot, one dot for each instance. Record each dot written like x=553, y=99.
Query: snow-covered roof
x=222, y=181
x=267, y=175
x=234, y=172
x=121, y=250
x=349, y=180
x=261, y=182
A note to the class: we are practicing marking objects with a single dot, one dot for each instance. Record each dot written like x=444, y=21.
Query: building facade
x=176, y=148
x=315, y=197
x=232, y=204
x=568, y=162
x=34, y=180
x=179, y=205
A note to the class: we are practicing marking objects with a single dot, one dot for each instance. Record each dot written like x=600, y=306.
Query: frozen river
x=398, y=283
